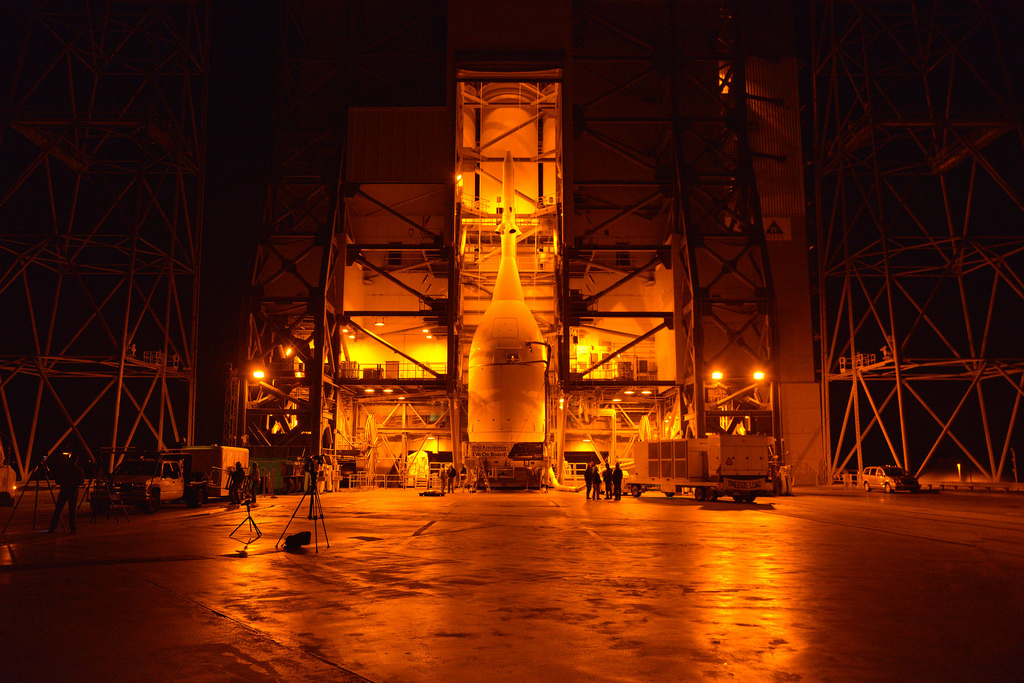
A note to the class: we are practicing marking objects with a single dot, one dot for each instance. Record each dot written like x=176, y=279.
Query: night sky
x=243, y=79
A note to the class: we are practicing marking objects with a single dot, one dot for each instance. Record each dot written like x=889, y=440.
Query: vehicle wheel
x=636, y=490
x=712, y=495
x=201, y=497
x=669, y=494
x=700, y=493
x=153, y=500
x=750, y=498
x=867, y=486
x=740, y=498
x=888, y=488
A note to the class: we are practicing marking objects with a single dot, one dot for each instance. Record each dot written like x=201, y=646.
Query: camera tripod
x=102, y=477
x=316, y=511
x=254, y=531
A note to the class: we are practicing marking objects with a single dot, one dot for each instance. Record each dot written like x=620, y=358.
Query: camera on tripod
x=312, y=468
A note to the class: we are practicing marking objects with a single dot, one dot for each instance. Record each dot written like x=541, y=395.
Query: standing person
x=254, y=481
x=607, y=481
x=235, y=480
x=69, y=477
x=588, y=477
x=443, y=473
x=595, y=474
x=464, y=477
x=452, y=474
x=617, y=480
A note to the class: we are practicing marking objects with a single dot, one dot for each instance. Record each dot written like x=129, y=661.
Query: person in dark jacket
x=69, y=477
x=617, y=480
x=608, y=482
x=235, y=480
x=588, y=477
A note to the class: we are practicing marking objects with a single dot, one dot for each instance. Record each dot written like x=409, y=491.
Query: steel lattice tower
x=101, y=199
x=661, y=169
x=918, y=155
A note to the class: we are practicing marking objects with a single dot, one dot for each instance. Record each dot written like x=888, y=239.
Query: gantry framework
x=658, y=183
x=103, y=145
x=331, y=211
x=662, y=178
x=918, y=158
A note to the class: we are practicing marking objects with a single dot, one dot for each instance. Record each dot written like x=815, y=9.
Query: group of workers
x=612, y=478
x=450, y=477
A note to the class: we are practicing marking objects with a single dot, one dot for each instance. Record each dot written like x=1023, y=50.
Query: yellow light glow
x=645, y=392
x=288, y=352
x=629, y=392
x=351, y=336
x=430, y=336
x=300, y=374
x=379, y=322
x=717, y=374
x=388, y=391
x=426, y=331
x=759, y=375
x=616, y=400
x=258, y=374
x=369, y=391
x=401, y=398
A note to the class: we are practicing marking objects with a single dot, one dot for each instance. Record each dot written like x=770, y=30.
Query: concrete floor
x=822, y=586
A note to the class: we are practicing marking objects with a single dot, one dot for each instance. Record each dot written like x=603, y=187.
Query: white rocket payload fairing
x=508, y=358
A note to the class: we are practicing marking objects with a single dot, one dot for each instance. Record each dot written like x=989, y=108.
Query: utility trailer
x=710, y=467
x=209, y=470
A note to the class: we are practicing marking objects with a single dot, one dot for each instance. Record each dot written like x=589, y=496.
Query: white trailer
x=717, y=465
x=209, y=468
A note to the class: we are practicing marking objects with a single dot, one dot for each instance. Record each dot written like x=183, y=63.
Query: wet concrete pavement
x=822, y=586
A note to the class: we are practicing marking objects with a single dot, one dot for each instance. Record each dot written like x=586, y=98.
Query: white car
x=889, y=478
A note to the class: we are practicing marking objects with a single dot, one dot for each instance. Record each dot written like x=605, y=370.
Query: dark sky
x=243, y=78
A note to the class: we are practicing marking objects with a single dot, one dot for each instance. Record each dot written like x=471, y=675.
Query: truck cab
x=146, y=482
x=8, y=485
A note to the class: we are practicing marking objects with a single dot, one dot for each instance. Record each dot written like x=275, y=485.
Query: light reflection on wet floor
x=843, y=586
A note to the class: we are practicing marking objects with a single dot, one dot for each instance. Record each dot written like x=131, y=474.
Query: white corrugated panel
x=400, y=144
x=774, y=111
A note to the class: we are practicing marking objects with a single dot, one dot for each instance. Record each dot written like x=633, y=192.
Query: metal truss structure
x=918, y=155
x=662, y=178
x=659, y=184
x=323, y=217
x=101, y=202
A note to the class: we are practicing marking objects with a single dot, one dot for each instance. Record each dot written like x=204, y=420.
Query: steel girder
x=322, y=218
x=662, y=178
x=918, y=157
x=101, y=204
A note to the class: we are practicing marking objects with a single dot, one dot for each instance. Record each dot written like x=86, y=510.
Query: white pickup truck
x=192, y=474
x=8, y=485
x=146, y=482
